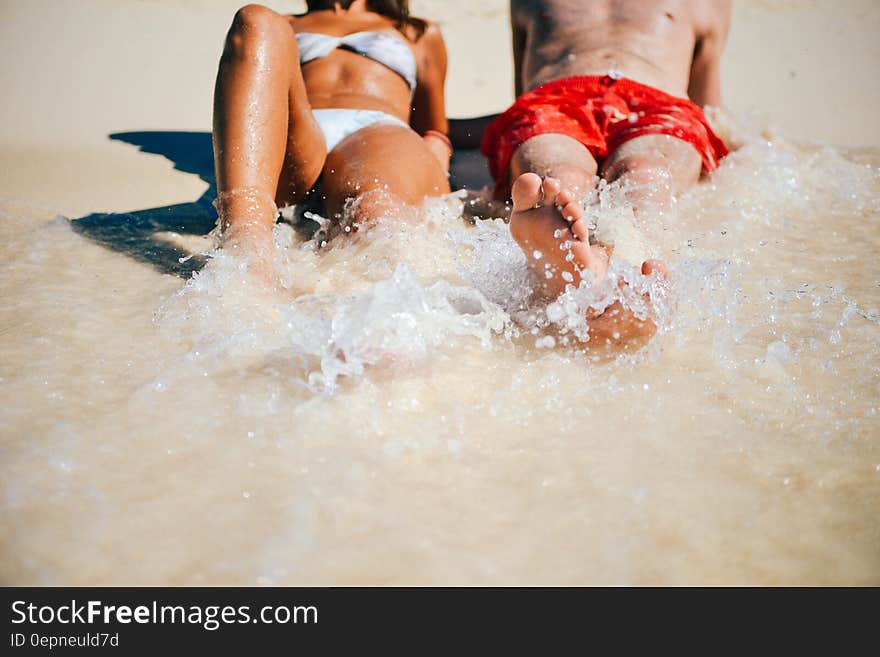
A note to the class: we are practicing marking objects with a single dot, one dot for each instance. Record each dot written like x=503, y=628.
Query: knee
x=638, y=170
x=256, y=18
x=252, y=26
x=576, y=179
x=570, y=163
x=572, y=177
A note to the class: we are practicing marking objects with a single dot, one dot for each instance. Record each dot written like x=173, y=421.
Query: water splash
x=398, y=290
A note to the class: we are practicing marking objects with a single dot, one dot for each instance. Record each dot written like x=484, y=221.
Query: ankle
x=245, y=210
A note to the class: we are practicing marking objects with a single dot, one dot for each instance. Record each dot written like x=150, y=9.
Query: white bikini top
x=378, y=46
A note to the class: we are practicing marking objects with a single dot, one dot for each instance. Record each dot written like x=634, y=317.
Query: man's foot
x=617, y=325
x=549, y=226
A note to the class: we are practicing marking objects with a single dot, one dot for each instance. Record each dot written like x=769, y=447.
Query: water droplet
x=555, y=312
x=547, y=342
x=779, y=351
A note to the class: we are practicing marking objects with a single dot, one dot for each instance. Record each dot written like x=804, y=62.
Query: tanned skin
x=269, y=149
x=672, y=45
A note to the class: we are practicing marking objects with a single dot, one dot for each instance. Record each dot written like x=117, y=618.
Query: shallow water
x=404, y=412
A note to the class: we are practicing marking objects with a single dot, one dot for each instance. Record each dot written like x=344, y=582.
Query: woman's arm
x=429, y=101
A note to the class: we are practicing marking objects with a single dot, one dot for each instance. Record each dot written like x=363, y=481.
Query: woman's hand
x=440, y=147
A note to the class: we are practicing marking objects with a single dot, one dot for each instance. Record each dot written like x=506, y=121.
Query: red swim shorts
x=602, y=113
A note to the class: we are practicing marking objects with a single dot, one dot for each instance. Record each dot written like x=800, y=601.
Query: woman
x=349, y=94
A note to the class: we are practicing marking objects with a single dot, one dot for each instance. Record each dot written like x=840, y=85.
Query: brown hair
x=395, y=9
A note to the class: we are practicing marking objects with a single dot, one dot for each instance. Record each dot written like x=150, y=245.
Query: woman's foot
x=247, y=221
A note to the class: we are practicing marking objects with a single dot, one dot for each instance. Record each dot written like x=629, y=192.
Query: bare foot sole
x=548, y=224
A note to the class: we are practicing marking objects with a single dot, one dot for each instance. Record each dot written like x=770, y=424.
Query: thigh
x=558, y=156
x=305, y=148
x=265, y=135
x=651, y=156
x=385, y=157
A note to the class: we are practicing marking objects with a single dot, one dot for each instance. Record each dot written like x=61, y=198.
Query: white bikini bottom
x=337, y=124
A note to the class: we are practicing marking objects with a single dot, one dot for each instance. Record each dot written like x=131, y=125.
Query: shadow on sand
x=143, y=234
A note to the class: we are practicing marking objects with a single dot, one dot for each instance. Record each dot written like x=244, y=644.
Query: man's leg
x=548, y=224
x=556, y=156
x=653, y=168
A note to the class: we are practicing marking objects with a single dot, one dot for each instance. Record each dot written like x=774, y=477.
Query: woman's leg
x=385, y=167
x=268, y=147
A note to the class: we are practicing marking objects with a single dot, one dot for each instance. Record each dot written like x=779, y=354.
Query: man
x=607, y=87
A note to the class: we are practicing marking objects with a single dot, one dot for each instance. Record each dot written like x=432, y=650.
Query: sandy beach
x=758, y=461
x=79, y=71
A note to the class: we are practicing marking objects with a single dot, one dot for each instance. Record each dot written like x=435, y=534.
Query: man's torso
x=650, y=41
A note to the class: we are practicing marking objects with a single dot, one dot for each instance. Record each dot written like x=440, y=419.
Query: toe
x=526, y=192
x=651, y=266
x=581, y=230
x=551, y=187
x=564, y=198
x=570, y=209
x=573, y=213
